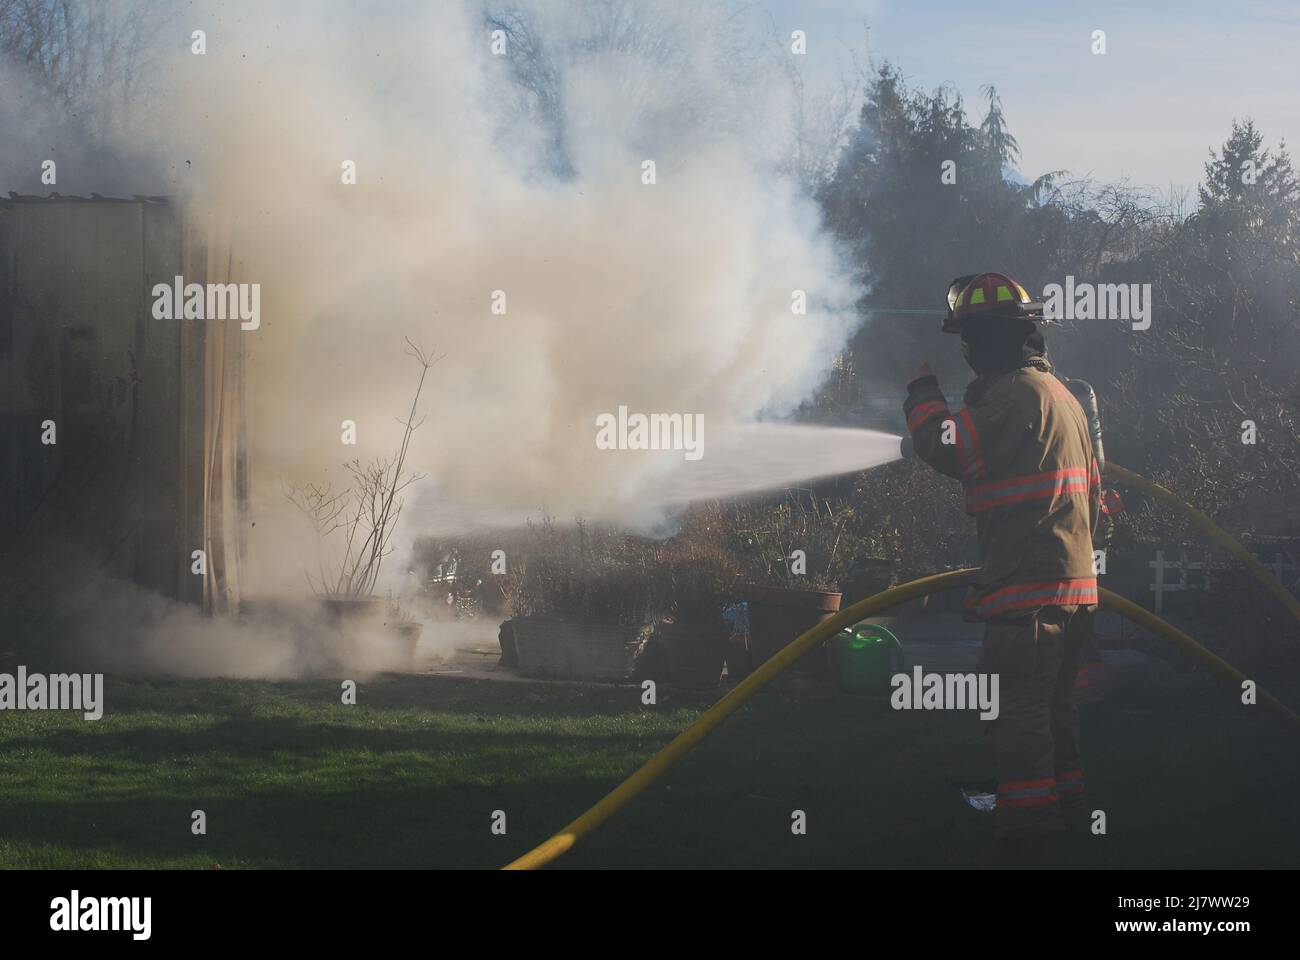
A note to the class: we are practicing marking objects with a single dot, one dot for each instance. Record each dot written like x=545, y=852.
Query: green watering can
x=866, y=657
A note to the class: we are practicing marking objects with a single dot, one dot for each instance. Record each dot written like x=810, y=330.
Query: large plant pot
x=407, y=633
x=353, y=610
x=695, y=653
x=359, y=622
x=550, y=649
x=777, y=615
x=348, y=620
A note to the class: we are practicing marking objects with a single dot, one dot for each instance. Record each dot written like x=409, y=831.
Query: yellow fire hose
x=1145, y=618
x=1207, y=526
x=657, y=765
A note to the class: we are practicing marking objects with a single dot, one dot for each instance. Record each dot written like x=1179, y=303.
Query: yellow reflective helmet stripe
x=1004, y=293
x=977, y=296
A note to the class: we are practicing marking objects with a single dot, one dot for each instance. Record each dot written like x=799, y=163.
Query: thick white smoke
x=497, y=154
x=518, y=171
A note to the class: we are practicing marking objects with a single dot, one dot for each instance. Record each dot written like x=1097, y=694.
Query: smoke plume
x=500, y=158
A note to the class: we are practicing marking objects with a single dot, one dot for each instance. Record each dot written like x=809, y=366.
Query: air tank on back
x=1087, y=398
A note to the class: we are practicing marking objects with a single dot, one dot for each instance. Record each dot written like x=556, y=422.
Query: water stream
x=771, y=456
x=744, y=460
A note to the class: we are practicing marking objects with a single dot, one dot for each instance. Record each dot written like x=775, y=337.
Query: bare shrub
x=364, y=515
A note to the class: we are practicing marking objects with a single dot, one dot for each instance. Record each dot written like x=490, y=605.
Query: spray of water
x=747, y=459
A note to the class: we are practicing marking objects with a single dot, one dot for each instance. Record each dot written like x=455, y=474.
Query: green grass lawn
x=290, y=777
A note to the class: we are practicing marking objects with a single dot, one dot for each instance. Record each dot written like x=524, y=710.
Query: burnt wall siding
x=79, y=346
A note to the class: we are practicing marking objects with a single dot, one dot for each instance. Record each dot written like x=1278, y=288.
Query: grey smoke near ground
x=113, y=625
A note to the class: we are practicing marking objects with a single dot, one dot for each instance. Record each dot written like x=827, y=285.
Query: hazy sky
x=1175, y=74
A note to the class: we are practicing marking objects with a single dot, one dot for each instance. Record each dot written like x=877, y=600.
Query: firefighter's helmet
x=988, y=295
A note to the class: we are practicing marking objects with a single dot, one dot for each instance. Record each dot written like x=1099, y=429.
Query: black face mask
x=997, y=345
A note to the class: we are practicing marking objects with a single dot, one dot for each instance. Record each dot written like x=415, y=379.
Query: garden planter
x=348, y=619
x=347, y=611
x=695, y=653
x=777, y=615
x=407, y=635
x=551, y=649
x=368, y=635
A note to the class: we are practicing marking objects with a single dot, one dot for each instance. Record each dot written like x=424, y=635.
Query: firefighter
x=1021, y=448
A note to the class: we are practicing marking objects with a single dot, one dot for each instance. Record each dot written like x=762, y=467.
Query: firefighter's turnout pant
x=1035, y=736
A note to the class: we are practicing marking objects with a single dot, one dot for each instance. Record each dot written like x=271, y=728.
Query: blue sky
x=1174, y=77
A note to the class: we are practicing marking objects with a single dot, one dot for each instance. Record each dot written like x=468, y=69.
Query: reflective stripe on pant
x=1069, y=784
x=1035, y=737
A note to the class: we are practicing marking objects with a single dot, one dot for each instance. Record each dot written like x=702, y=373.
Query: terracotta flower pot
x=777, y=615
x=695, y=653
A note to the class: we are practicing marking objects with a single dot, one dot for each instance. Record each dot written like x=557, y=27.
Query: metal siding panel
x=123, y=487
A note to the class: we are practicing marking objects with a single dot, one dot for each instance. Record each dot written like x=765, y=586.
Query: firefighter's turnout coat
x=1020, y=447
